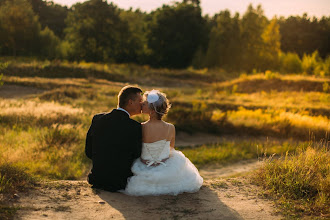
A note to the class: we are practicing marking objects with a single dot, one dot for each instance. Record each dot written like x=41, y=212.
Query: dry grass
x=299, y=181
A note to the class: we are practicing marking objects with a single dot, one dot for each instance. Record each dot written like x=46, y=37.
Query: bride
x=161, y=169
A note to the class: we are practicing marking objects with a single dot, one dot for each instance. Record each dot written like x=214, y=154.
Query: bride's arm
x=172, y=143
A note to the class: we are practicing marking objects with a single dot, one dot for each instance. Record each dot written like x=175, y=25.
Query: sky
x=317, y=8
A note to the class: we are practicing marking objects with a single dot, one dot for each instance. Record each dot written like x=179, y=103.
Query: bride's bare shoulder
x=169, y=124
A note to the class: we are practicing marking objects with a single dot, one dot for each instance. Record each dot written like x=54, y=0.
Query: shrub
x=310, y=63
x=290, y=63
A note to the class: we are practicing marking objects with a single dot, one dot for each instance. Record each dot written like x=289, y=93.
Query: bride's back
x=153, y=131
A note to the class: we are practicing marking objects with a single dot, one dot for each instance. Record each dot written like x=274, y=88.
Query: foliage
x=175, y=33
x=96, y=32
x=310, y=63
x=253, y=25
x=21, y=32
x=299, y=181
x=172, y=36
x=290, y=63
x=137, y=48
x=303, y=35
x=19, y=27
x=224, y=47
x=50, y=15
x=271, y=38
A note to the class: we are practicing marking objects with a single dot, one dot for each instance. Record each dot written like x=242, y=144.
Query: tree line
x=172, y=36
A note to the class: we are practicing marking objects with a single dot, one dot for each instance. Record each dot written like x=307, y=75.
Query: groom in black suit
x=114, y=141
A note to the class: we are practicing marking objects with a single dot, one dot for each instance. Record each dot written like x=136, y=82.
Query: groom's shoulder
x=98, y=116
x=135, y=123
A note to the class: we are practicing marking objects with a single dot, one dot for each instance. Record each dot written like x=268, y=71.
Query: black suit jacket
x=113, y=142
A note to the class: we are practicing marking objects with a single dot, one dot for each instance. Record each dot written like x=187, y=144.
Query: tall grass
x=300, y=181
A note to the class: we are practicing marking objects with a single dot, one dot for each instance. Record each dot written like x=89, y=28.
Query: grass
x=14, y=178
x=7, y=212
x=229, y=152
x=299, y=181
x=45, y=133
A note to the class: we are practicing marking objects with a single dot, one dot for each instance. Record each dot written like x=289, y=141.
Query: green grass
x=228, y=152
x=299, y=181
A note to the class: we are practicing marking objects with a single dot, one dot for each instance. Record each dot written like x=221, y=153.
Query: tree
x=19, y=27
x=253, y=24
x=272, y=45
x=224, y=44
x=50, y=15
x=95, y=31
x=175, y=33
x=305, y=35
x=136, y=42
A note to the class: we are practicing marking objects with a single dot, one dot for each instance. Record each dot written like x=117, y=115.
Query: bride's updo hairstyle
x=158, y=102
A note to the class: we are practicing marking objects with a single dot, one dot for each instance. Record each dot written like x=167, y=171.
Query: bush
x=290, y=63
x=311, y=63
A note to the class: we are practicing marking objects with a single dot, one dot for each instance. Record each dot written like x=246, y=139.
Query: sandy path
x=219, y=198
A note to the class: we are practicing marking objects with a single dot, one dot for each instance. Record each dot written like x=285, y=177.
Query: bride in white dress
x=161, y=169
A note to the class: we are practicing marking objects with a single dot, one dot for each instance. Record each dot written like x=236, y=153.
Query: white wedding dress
x=167, y=171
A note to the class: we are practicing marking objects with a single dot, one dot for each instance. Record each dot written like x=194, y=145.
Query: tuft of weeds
x=14, y=178
x=300, y=182
x=7, y=212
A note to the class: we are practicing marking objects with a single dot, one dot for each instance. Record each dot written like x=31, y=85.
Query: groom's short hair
x=127, y=93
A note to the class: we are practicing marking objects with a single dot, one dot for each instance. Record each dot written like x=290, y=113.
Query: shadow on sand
x=204, y=204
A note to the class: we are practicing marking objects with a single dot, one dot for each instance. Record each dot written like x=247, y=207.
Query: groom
x=114, y=141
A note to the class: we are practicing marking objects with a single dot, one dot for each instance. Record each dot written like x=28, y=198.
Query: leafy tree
x=95, y=32
x=272, y=46
x=324, y=34
x=224, y=44
x=19, y=28
x=175, y=33
x=50, y=15
x=253, y=25
x=304, y=35
x=137, y=42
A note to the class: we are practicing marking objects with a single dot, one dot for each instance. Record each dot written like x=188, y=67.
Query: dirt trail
x=219, y=198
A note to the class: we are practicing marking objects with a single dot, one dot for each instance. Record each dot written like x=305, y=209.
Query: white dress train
x=162, y=176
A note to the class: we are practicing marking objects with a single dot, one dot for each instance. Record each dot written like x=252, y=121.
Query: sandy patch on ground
x=217, y=199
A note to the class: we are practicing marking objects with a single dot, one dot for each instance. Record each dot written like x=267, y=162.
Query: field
x=46, y=109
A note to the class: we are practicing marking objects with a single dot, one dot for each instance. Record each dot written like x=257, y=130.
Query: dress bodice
x=155, y=152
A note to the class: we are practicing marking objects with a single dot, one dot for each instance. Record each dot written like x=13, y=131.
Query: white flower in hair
x=153, y=96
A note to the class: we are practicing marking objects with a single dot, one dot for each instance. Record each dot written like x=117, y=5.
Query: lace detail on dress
x=155, y=152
